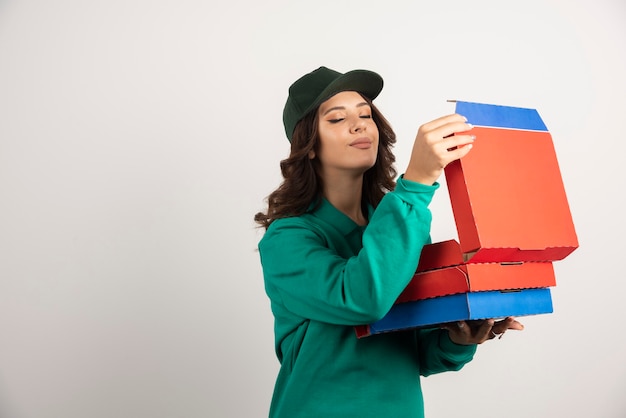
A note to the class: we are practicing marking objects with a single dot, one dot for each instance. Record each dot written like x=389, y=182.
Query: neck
x=345, y=193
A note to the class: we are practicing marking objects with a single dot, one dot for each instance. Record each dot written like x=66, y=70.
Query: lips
x=362, y=143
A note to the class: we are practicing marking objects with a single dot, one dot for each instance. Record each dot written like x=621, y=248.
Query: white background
x=139, y=137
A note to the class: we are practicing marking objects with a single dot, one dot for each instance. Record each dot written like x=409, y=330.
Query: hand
x=477, y=332
x=436, y=146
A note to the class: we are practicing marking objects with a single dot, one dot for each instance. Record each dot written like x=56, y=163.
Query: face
x=348, y=135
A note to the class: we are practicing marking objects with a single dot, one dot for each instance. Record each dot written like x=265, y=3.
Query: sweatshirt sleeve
x=437, y=353
x=309, y=279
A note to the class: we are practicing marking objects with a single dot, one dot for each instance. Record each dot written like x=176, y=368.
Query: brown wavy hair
x=302, y=184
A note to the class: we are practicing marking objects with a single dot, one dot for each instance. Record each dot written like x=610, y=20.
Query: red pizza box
x=507, y=194
x=441, y=272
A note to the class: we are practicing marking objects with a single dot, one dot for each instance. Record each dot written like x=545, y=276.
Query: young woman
x=342, y=241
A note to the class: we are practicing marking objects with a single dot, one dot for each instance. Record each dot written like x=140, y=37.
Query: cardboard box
x=513, y=220
x=460, y=307
x=507, y=194
x=441, y=272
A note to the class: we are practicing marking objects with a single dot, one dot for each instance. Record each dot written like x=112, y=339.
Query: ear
x=311, y=155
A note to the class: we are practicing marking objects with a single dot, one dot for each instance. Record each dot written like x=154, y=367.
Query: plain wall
x=138, y=138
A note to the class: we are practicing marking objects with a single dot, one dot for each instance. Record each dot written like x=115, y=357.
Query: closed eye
x=337, y=120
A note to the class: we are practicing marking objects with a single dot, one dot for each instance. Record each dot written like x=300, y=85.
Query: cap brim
x=367, y=83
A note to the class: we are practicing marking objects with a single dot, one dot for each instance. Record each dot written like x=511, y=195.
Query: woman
x=342, y=242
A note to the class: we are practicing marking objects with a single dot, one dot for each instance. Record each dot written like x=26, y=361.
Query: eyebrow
x=344, y=108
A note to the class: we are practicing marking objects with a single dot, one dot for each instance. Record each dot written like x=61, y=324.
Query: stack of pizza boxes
x=513, y=221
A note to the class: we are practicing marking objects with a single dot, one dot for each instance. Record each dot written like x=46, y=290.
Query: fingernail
x=473, y=137
x=470, y=126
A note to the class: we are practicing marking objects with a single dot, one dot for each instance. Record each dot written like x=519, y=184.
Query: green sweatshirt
x=323, y=275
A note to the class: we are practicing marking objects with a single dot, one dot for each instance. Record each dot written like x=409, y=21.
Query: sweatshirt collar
x=339, y=220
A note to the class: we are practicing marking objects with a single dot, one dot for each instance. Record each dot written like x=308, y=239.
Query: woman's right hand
x=436, y=145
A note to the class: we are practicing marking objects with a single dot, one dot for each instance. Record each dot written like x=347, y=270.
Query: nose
x=358, y=125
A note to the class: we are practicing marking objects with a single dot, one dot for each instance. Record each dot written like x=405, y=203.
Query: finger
x=461, y=332
x=463, y=326
x=506, y=324
x=515, y=324
x=455, y=141
x=453, y=326
x=456, y=154
x=446, y=131
x=475, y=323
x=484, y=331
x=436, y=123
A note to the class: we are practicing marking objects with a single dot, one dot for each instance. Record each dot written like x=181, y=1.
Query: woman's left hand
x=477, y=332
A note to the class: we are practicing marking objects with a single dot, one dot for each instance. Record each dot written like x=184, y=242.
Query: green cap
x=312, y=89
